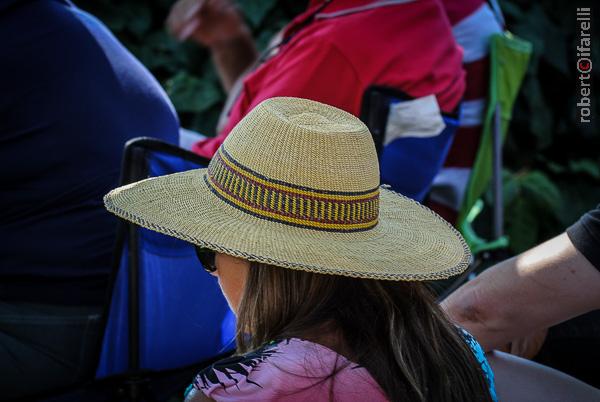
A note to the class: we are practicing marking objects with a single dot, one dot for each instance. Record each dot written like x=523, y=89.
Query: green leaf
x=139, y=19
x=522, y=225
x=555, y=168
x=511, y=10
x=531, y=27
x=256, y=10
x=510, y=188
x=585, y=166
x=549, y=40
x=161, y=51
x=115, y=20
x=542, y=192
x=540, y=121
x=579, y=196
x=531, y=200
x=192, y=94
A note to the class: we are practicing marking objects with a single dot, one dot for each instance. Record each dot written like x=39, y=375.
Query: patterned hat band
x=287, y=203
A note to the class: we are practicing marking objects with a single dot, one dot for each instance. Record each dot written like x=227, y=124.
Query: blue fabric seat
x=183, y=317
x=409, y=165
x=410, y=160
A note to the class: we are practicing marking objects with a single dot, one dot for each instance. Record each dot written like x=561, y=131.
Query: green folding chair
x=509, y=58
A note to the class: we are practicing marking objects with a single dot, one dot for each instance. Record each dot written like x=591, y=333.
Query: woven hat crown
x=300, y=162
x=306, y=143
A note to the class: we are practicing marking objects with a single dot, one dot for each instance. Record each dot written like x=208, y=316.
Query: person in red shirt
x=331, y=53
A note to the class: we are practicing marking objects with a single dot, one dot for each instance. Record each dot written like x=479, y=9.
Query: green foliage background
x=552, y=171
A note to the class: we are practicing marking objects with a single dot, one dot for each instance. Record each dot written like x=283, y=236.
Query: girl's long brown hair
x=394, y=329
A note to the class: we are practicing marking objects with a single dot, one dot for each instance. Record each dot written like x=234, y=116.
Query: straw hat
x=296, y=185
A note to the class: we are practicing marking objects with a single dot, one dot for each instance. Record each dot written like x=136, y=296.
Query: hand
x=208, y=22
x=527, y=347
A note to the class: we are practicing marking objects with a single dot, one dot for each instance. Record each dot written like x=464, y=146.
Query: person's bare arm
x=539, y=288
x=233, y=58
x=521, y=380
x=238, y=85
x=218, y=25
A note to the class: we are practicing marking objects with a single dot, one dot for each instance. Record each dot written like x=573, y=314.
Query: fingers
x=529, y=346
x=188, y=29
x=183, y=18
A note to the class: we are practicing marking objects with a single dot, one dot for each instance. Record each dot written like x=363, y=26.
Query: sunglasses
x=207, y=258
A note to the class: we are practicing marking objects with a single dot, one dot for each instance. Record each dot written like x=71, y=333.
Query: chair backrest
x=509, y=58
x=166, y=312
x=412, y=138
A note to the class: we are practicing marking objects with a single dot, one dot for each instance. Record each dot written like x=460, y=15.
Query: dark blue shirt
x=70, y=97
x=585, y=235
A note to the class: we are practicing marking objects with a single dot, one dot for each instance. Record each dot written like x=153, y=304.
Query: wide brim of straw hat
x=410, y=242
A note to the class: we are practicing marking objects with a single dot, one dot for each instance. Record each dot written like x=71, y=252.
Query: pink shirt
x=290, y=370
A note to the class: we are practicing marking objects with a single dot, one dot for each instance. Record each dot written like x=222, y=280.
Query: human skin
x=218, y=25
x=521, y=380
x=231, y=273
x=516, y=300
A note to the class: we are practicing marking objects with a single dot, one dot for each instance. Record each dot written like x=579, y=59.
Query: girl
x=322, y=267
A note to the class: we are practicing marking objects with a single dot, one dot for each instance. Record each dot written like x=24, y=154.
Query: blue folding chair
x=408, y=163
x=166, y=312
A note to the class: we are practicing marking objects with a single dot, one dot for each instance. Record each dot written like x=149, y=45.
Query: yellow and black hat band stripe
x=291, y=204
